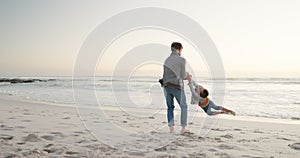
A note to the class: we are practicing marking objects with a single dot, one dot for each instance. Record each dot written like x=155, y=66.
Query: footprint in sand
x=72, y=153
x=257, y=131
x=224, y=146
x=6, y=127
x=247, y=140
x=66, y=117
x=26, y=121
x=218, y=140
x=48, y=145
x=237, y=129
x=198, y=154
x=21, y=143
x=31, y=138
x=249, y=156
x=50, y=150
x=228, y=136
x=138, y=154
x=218, y=129
x=26, y=110
x=6, y=137
x=151, y=117
x=223, y=155
x=48, y=137
x=57, y=134
x=212, y=150
x=161, y=149
x=21, y=127
x=283, y=138
x=82, y=141
x=79, y=132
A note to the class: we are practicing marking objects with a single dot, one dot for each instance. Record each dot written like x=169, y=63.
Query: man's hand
x=187, y=74
x=189, y=78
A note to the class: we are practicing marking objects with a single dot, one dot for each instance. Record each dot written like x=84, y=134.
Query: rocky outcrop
x=18, y=80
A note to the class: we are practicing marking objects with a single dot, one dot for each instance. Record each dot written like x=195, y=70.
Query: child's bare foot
x=171, y=129
x=232, y=113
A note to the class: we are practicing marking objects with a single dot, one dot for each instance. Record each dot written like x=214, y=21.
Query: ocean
x=259, y=97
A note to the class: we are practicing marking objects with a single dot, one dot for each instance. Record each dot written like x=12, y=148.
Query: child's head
x=202, y=92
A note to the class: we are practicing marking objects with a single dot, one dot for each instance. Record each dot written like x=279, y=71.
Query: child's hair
x=204, y=94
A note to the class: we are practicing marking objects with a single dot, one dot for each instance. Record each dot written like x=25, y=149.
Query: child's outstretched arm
x=195, y=83
x=195, y=95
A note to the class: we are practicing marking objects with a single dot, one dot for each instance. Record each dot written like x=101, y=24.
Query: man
x=173, y=75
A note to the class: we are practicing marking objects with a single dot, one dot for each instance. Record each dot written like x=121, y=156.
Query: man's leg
x=170, y=111
x=181, y=99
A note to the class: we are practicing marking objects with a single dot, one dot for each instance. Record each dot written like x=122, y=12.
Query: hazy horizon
x=256, y=39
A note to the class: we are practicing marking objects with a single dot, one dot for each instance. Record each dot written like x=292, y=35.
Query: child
x=199, y=95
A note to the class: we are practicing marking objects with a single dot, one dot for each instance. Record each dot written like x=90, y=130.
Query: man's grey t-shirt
x=174, y=70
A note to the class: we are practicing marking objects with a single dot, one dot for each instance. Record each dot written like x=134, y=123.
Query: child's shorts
x=211, y=105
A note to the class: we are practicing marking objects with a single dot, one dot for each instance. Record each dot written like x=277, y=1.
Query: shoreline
x=162, y=111
x=35, y=129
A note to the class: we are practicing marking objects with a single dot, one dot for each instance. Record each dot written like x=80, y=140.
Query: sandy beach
x=102, y=79
x=37, y=129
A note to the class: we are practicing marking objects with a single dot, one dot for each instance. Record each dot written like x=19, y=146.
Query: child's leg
x=223, y=110
x=219, y=112
x=214, y=106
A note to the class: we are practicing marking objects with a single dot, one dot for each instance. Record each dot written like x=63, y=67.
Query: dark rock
x=19, y=80
x=295, y=146
x=295, y=118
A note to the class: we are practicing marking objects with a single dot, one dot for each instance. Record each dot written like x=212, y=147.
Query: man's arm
x=183, y=73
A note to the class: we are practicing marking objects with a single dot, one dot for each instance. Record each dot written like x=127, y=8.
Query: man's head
x=202, y=92
x=176, y=47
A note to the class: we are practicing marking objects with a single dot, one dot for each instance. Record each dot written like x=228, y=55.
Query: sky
x=255, y=38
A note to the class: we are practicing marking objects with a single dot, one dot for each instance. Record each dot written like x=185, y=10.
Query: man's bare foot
x=171, y=129
x=184, y=130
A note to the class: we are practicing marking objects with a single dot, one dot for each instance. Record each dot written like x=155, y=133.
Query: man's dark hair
x=176, y=46
x=204, y=94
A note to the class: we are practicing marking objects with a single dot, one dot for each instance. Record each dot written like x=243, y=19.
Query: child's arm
x=195, y=95
x=196, y=84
